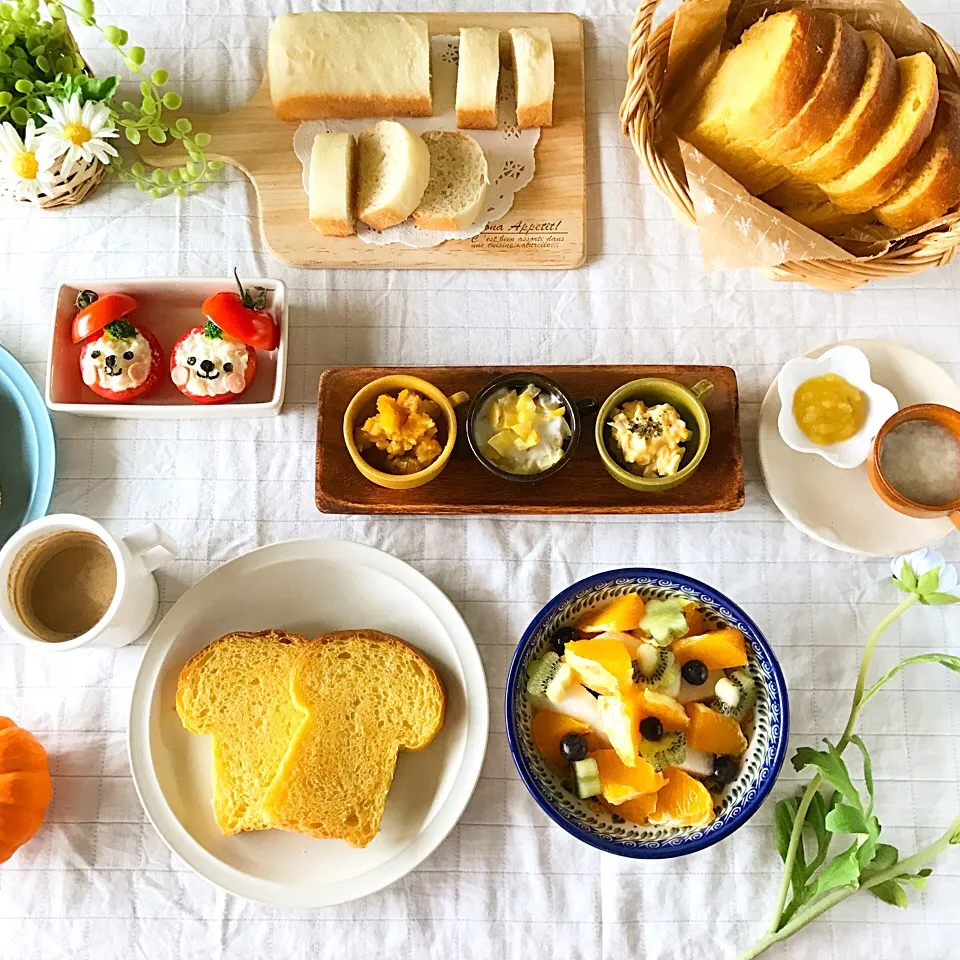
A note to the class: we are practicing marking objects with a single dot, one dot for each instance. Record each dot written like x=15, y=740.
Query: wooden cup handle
x=459, y=399
x=955, y=517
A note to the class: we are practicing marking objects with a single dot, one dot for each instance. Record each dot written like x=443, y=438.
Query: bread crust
x=334, y=228
x=829, y=103
x=535, y=115
x=319, y=107
x=476, y=118
x=908, y=210
x=835, y=158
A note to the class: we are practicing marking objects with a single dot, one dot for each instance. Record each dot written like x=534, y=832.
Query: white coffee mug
x=134, y=604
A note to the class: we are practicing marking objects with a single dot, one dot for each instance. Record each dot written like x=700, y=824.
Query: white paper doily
x=509, y=150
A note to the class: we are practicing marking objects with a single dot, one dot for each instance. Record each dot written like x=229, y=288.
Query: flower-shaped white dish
x=853, y=365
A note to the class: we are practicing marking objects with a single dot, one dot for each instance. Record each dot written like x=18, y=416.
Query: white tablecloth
x=98, y=882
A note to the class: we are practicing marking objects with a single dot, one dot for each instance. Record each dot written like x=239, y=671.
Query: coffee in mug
x=62, y=585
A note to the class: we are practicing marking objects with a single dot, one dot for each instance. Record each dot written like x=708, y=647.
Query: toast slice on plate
x=362, y=696
x=394, y=170
x=237, y=690
x=458, y=182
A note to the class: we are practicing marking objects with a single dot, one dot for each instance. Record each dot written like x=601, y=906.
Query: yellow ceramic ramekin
x=366, y=399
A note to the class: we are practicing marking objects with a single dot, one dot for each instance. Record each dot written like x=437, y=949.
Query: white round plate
x=839, y=507
x=310, y=587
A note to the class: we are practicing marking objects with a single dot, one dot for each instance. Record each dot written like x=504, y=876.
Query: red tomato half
x=153, y=377
x=248, y=375
x=95, y=316
x=243, y=317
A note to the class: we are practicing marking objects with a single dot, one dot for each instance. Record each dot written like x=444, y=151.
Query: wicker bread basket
x=640, y=115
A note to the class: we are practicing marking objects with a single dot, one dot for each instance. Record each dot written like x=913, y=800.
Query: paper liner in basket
x=509, y=151
x=735, y=228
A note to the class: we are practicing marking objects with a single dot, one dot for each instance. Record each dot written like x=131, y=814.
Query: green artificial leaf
x=842, y=871
x=831, y=767
x=132, y=135
x=939, y=599
x=157, y=134
x=947, y=660
x=203, y=140
x=884, y=858
x=784, y=817
x=112, y=35
x=907, y=577
x=890, y=892
x=846, y=819
x=159, y=77
x=867, y=770
x=663, y=619
x=929, y=582
x=183, y=125
x=917, y=880
x=137, y=55
x=172, y=100
x=212, y=332
x=98, y=88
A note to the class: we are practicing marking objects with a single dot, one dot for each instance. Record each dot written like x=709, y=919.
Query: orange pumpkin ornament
x=25, y=787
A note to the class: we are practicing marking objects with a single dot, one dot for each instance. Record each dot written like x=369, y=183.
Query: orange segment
x=623, y=614
x=637, y=810
x=712, y=732
x=683, y=802
x=667, y=710
x=621, y=783
x=697, y=621
x=548, y=729
x=602, y=665
x=719, y=650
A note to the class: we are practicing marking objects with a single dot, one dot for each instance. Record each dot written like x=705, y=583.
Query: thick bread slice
x=533, y=73
x=882, y=172
x=333, y=184
x=363, y=696
x=826, y=218
x=458, y=182
x=237, y=690
x=759, y=87
x=866, y=120
x=933, y=188
x=327, y=64
x=830, y=102
x=792, y=193
x=478, y=70
x=394, y=170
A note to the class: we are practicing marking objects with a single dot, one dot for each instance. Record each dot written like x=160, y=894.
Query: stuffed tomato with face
x=216, y=362
x=119, y=361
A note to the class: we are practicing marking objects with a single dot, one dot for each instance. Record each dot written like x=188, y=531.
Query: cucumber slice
x=587, y=775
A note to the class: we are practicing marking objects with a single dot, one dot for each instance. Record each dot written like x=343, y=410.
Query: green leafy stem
x=818, y=885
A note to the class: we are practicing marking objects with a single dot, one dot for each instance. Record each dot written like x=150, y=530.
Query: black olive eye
x=228, y=367
x=128, y=355
x=191, y=360
x=95, y=354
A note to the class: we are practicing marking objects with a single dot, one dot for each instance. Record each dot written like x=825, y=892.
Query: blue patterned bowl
x=589, y=820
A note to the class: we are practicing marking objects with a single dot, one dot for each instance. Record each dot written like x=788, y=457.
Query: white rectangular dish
x=168, y=307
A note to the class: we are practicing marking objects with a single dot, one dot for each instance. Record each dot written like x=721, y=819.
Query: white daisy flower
x=24, y=164
x=78, y=134
x=925, y=560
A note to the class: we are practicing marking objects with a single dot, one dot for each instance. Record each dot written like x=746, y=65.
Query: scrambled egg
x=650, y=439
x=404, y=431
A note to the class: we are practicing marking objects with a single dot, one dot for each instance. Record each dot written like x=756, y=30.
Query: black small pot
x=576, y=412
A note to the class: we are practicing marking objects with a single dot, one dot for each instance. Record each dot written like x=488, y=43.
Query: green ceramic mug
x=687, y=401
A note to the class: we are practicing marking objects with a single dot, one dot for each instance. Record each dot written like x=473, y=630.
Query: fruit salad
x=646, y=706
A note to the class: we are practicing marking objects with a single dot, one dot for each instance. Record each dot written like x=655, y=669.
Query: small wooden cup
x=368, y=396
x=935, y=413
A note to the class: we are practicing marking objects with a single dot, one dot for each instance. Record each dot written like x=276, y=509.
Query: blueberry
x=695, y=672
x=574, y=747
x=562, y=637
x=725, y=770
x=651, y=728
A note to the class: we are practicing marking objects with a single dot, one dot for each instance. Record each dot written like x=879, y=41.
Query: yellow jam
x=828, y=409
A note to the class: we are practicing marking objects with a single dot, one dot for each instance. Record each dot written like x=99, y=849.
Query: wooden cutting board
x=543, y=230
x=581, y=487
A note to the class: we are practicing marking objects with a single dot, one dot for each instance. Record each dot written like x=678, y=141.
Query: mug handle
x=459, y=399
x=955, y=517
x=587, y=406
x=702, y=390
x=153, y=545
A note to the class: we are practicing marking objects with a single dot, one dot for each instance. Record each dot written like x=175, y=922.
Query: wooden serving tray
x=583, y=486
x=543, y=230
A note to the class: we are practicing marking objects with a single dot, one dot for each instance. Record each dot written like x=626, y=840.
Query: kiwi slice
x=540, y=673
x=735, y=695
x=651, y=664
x=587, y=775
x=669, y=751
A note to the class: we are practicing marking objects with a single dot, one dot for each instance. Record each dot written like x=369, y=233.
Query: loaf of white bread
x=345, y=65
x=478, y=70
x=828, y=125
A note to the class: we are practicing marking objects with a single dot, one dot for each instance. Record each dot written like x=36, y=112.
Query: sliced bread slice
x=882, y=172
x=458, y=182
x=933, y=188
x=817, y=121
x=237, y=690
x=794, y=192
x=866, y=120
x=478, y=70
x=759, y=87
x=533, y=73
x=394, y=169
x=363, y=696
x=333, y=184
x=826, y=218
